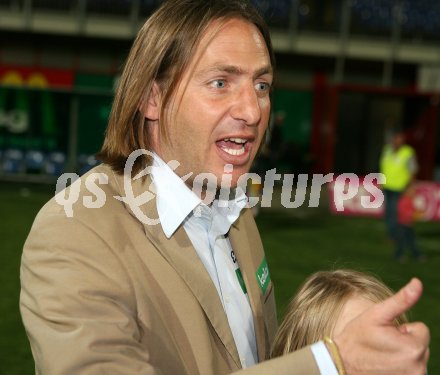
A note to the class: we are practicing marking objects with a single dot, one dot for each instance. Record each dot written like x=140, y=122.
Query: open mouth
x=233, y=146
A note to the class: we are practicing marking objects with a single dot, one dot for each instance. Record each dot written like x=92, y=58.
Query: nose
x=246, y=106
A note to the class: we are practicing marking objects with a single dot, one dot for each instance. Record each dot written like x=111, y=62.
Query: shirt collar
x=225, y=213
x=176, y=202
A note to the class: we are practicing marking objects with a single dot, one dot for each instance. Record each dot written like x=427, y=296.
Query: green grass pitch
x=297, y=242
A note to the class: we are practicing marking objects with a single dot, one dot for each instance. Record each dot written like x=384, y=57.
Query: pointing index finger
x=400, y=302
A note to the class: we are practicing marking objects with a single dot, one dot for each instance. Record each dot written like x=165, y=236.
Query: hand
x=372, y=344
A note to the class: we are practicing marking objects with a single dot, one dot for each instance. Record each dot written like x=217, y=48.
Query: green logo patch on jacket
x=263, y=277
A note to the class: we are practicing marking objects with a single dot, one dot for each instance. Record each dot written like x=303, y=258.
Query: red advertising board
x=362, y=197
x=427, y=200
x=35, y=77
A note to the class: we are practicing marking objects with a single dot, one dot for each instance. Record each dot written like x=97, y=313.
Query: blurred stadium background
x=344, y=67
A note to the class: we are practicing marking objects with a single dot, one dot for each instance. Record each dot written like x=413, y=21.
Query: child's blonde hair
x=313, y=311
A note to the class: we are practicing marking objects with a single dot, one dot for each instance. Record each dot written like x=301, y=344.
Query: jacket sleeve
x=80, y=317
x=79, y=307
x=298, y=363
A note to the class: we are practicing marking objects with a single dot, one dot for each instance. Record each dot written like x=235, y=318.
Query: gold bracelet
x=334, y=352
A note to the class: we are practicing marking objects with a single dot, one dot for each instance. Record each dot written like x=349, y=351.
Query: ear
x=151, y=103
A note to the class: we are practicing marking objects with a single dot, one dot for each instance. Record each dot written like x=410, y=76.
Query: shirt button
x=227, y=299
x=243, y=361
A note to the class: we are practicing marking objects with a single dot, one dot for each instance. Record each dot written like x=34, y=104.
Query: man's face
x=220, y=110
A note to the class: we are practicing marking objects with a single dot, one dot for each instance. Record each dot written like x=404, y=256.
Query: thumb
x=400, y=302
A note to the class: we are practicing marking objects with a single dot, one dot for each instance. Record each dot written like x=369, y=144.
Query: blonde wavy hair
x=313, y=311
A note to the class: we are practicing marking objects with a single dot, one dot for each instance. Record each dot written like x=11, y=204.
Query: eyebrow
x=235, y=70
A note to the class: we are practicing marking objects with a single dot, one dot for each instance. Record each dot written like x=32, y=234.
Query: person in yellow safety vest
x=398, y=163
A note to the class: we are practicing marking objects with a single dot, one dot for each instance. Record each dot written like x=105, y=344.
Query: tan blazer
x=103, y=293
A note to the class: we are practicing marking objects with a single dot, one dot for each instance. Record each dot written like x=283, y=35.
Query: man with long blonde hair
x=151, y=278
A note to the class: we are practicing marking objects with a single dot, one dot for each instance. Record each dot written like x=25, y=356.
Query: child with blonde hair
x=324, y=304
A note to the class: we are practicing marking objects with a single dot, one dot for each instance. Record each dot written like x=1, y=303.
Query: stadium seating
x=13, y=161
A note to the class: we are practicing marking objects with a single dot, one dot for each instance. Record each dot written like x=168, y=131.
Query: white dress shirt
x=207, y=228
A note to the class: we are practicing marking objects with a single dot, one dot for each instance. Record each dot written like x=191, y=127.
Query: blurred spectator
x=399, y=165
x=406, y=237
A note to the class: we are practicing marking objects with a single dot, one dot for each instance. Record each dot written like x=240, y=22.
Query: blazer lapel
x=180, y=253
x=182, y=256
x=249, y=252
